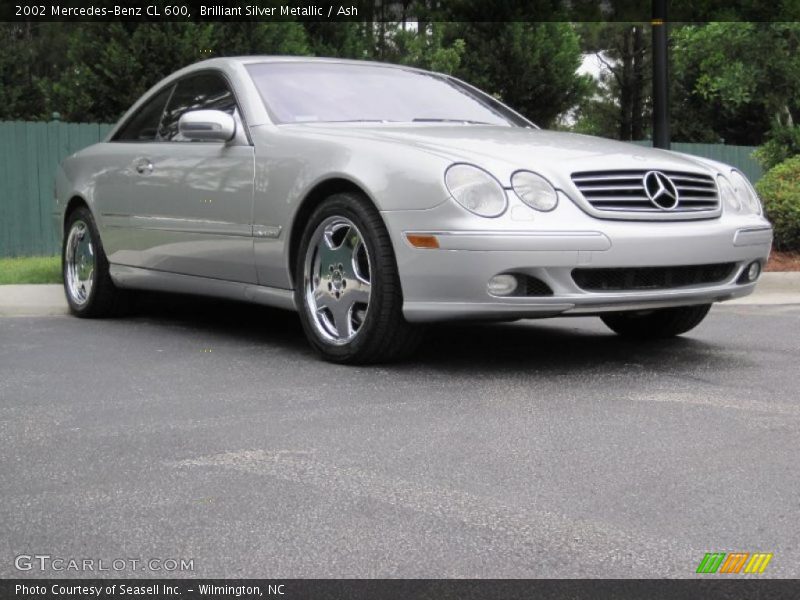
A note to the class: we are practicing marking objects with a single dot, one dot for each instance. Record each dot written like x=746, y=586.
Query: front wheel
x=347, y=286
x=656, y=324
x=87, y=282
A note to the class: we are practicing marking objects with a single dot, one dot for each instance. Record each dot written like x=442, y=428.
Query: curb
x=774, y=288
x=32, y=300
x=48, y=299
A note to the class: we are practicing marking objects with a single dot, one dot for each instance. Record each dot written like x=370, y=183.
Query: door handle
x=144, y=166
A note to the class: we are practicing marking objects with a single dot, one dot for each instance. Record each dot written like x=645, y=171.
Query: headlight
x=747, y=196
x=728, y=194
x=534, y=190
x=476, y=190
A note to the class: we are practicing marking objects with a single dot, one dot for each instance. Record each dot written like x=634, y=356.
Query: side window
x=206, y=91
x=143, y=126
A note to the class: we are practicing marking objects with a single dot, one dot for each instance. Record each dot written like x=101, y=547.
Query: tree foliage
x=732, y=82
x=425, y=51
x=619, y=105
x=32, y=53
x=110, y=65
x=530, y=66
x=783, y=142
x=95, y=71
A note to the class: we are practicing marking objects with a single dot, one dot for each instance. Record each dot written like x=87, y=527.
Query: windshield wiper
x=436, y=120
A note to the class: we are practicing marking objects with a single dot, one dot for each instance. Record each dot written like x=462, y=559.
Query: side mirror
x=207, y=125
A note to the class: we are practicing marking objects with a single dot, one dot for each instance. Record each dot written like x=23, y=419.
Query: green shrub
x=782, y=143
x=780, y=192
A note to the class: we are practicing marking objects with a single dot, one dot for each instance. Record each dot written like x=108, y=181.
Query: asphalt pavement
x=210, y=432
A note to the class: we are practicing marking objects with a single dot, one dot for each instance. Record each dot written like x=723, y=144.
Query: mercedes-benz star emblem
x=660, y=190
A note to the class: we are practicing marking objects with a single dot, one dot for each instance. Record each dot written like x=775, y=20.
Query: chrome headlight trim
x=727, y=193
x=748, y=198
x=476, y=190
x=534, y=190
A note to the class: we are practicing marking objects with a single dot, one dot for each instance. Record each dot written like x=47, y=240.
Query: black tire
x=656, y=324
x=104, y=299
x=384, y=335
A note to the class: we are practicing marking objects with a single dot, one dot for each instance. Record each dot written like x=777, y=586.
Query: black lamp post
x=660, y=76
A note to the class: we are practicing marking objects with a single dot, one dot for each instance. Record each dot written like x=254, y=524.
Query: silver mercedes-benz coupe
x=373, y=198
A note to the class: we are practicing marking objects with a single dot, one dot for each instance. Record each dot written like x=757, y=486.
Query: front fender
x=291, y=163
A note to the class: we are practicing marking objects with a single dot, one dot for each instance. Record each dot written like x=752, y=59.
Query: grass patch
x=30, y=269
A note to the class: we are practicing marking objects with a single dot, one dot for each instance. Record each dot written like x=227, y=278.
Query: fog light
x=502, y=285
x=753, y=271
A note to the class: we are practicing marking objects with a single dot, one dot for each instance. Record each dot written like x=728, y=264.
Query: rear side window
x=206, y=91
x=143, y=126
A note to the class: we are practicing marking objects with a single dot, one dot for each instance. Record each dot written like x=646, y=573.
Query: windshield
x=335, y=92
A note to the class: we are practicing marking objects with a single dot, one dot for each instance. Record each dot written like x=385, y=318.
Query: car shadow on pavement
x=236, y=320
x=565, y=345
x=545, y=345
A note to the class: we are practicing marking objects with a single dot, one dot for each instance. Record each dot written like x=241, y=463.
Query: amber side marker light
x=422, y=241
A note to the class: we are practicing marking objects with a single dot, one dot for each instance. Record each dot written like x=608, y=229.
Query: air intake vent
x=651, y=278
x=646, y=193
x=532, y=286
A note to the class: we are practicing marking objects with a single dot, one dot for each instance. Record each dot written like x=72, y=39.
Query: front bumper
x=451, y=282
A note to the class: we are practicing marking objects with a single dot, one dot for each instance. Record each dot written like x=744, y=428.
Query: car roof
x=256, y=59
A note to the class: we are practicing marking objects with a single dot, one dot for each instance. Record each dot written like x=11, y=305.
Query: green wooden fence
x=740, y=157
x=29, y=155
x=30, y=152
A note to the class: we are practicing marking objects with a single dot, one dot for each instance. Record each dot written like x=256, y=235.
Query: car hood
x=505, y=149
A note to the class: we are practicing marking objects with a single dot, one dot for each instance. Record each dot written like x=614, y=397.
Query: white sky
x=591, y=65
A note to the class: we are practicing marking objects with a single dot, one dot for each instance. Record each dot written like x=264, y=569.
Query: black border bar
x=407, y=589
x=632, y=11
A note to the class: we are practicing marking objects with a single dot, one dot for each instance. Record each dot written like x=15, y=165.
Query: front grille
x=624, y=191
x=650, y=278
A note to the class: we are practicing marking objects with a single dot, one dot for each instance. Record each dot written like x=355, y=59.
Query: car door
x=121, y=192
x=199, y=201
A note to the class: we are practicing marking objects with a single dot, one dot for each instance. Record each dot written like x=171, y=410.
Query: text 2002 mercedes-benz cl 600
x=373, y=198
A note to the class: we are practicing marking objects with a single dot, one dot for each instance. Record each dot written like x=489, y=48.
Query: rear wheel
x=348, y=289
x=656, y=324
x=87, y=283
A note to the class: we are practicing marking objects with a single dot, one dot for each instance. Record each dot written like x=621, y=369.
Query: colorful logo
x=720, y=562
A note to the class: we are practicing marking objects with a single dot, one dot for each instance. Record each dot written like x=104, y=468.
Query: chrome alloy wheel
x=79, y=261
x=336, y=280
